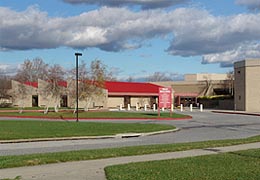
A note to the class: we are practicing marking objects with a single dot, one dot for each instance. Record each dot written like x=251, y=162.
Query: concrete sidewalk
x=94, y=169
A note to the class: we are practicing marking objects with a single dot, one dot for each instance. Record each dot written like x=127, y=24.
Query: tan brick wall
x=22, y=99
x=247, y=85
x=253, y=89
x=239, y=86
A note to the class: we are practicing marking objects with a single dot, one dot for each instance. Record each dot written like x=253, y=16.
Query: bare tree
x=130, y=79
x=53, y=88
x=32, y=70
x=230, y=82
x=5, y=86
x=158, y=76
x=91, y=81
x=208, y=83
x=29, y=72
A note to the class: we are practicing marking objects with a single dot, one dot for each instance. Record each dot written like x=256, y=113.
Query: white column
x=181, y=107
x=201, y=107
x=136, y=107
x=121, y=107
x=162, y=108
x=128, y=107
x=154, y=107
x=190, y=107
x=145, y=107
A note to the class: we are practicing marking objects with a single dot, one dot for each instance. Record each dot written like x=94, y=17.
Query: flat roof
x=247, y=63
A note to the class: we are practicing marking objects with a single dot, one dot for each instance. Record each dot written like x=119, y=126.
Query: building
x=122, y=94
x=205, y=76
x=112, y=95
x=198, y=85
x=247, y=85
x=133, y=93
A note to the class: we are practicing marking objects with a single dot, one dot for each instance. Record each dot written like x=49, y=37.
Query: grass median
x=20, y=129
x=38, y=159
x=229, y=166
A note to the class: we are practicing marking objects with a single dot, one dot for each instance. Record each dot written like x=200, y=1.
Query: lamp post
x=77, y=83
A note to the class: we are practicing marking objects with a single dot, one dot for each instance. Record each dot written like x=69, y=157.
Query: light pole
x=77, y=83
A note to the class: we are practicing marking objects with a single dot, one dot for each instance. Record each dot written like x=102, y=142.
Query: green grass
x=20, y=129
x=96, y=114
x=37, y=159
x=16, y=178
x=243, y=165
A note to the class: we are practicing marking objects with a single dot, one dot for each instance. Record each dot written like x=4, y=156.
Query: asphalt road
x=203, y=126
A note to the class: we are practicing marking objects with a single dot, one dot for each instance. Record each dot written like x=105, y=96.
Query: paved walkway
x=94, y=169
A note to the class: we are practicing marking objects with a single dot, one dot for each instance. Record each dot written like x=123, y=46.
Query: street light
x=77, y=83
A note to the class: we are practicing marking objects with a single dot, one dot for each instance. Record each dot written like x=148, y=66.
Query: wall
x=22, y=99
x=247, y=85
x=239, y=87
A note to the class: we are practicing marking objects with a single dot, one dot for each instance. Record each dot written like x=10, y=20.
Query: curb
x=86, y=119
x=237, y=112
x=126, y=135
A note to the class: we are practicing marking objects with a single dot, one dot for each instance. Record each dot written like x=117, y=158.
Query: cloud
x=7, y=69
x=250, y=4
x=144, y=4
x=190, y=31
x=27, y=30
x=227, y=58
x=110, y=29
x=206, y=34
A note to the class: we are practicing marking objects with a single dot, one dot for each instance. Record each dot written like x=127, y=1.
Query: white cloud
x=227, y=58
x=27, y=30
x=8, y=69
x=145, y=4
x=110, y=29
x=202, y=33
x=191, y=31
x=251, y=4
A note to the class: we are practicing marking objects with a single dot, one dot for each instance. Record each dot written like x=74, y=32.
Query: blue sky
x=132, y=37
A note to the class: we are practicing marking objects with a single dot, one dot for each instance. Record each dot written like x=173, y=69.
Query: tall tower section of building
x=247, y=85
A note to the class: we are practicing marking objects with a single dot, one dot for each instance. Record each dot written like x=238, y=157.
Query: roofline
x=131, y=94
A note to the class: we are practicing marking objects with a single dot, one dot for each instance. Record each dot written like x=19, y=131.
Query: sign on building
x=165, y=97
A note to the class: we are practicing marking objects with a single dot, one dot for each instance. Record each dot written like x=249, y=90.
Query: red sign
x=165, y=97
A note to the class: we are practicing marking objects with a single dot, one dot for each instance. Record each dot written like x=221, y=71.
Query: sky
x=134, y=38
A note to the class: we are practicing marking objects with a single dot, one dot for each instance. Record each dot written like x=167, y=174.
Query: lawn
x=37, y=159
x=20, y=129
x=242, y=165
x=97, y=114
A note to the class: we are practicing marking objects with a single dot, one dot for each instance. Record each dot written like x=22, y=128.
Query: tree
x=32, y=70
x=29, y=72
x=208, y=83
x=159, y=76
x=5, y=86
x=91, y=81
x=230, y=82
x=130, y=79
x=53, y=88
